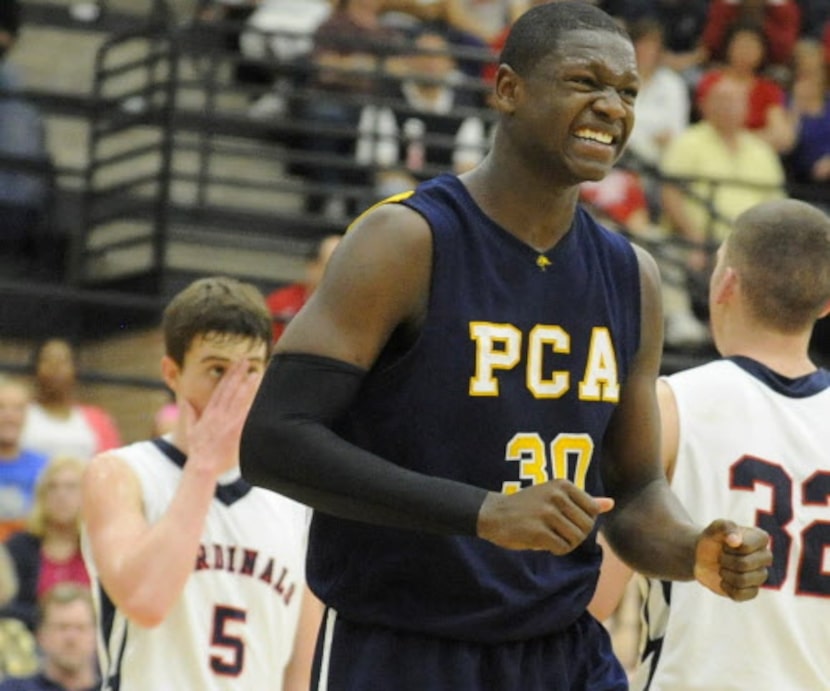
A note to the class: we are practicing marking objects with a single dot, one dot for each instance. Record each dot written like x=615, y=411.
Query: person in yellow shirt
x=715, y=170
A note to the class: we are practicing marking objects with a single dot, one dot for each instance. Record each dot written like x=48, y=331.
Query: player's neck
x=784, y=354
x=57, y=403
x=539, y=215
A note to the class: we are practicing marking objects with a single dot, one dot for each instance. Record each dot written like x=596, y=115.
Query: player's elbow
x=146, y=620
x=265, y=440
x=144, y=608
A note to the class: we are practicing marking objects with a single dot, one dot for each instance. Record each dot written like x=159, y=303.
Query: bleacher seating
x=179, y=163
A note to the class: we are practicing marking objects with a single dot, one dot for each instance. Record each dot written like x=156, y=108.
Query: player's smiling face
x=206, y=361
x=578, y=107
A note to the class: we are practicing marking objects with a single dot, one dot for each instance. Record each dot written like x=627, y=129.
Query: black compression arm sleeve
x=288, y=446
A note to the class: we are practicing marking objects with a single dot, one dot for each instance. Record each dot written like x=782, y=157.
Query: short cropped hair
x=781, y=252
x=215, y=305
x=536, y=34
x=64, y=593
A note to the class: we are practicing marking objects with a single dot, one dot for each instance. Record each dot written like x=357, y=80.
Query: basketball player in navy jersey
x=748, y=434
x=471, y=387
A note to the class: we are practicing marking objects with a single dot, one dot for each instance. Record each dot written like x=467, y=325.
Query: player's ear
x=725, y=287
x=170, y=372
x=508, y=86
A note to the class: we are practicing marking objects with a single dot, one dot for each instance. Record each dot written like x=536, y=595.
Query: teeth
x=594, y=135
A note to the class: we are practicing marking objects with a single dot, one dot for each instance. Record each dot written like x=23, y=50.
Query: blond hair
x=38, y=519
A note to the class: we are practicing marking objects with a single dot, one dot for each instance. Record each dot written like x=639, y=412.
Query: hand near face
x=213, y=437
x=555, y=516
x=732, y=560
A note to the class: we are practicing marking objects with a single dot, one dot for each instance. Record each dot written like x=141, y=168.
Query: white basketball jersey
x=234, y=624
x=754, y=447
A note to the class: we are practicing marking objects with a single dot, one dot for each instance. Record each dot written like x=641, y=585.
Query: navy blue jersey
x=512, y=381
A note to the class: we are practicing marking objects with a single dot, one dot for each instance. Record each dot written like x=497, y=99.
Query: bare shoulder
x=108, y=477
x=390, y=227
x=649, y=271
x=377, y=280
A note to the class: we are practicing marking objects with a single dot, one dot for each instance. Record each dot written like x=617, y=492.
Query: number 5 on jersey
x=226, y=637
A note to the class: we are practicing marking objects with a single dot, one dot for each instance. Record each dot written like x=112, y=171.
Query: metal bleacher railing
x=178, y=160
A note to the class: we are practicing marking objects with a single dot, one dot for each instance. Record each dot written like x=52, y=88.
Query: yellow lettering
x=498, y=347
x=560, y=342
x=600, y=381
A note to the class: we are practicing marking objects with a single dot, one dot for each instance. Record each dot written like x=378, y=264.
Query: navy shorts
x=359, y=657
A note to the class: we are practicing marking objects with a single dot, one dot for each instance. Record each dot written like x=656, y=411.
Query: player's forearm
x=653, y=534
x=149, y=577
x=288, y=446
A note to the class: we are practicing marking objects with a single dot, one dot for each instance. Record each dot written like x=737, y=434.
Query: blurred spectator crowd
x=46, y=438
x=734, y=109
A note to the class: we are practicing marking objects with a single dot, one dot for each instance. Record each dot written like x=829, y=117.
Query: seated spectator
x=432, y=127
x=682, y=22
x=766, y=115
x=662, y=106
x=18, y=654
x=48, y=552
x=56, y=423
x=24, y=196
x=809, y=159
x=716, y=169
x=713, y=171
x=18, y=649
x=484, y=19
x=352, y=58
x=66, y=641
x=282, y=31
x=285, y=302
x=227, y=19
x=779, y=22
x=19, y=467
